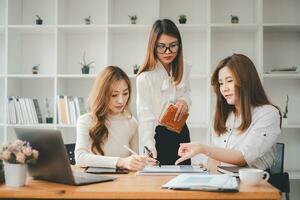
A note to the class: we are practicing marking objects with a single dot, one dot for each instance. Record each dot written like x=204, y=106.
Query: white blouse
x=121, y=131
x=153, y=93
x=257, y=142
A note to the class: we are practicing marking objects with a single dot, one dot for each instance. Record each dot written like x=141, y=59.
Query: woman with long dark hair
x=246, y=124
x=163, y=79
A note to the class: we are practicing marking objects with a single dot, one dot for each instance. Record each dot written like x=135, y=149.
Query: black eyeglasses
x=162, y=48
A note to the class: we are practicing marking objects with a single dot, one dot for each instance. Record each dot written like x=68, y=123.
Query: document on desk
x=217, y=182
x=171, y=170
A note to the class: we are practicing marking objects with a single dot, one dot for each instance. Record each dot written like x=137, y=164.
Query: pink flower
x=27, y=151
x=6, y=155
x=20, y=157
x=35, y=154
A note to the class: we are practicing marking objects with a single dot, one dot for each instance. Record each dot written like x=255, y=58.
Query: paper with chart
x=218, y=182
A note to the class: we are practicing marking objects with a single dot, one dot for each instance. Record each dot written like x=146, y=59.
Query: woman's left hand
x=182, y=108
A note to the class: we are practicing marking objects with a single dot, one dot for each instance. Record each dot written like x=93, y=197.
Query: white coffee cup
x=252, y=176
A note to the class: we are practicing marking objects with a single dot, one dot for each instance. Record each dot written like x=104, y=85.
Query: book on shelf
x=167, y=118
x=69, y=108
x=23, y=111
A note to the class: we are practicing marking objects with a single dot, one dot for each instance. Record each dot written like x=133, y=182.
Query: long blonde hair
x=99, y=104
x=164, y=26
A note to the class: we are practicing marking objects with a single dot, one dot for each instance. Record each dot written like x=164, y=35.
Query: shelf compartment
x=198, y=113
x=224, y=44
x=291, y=138
x=74, y=87
x=275, y=43
x=195, y=10
x=2, y=51
x=73, y=42
x=195, y=50
x=118, y=11
x=2, y=12
x=34, y=89
x=75, y=11
x=31, y=46
x=2, y=100
x=22, y=12
x=275, y=11
x=277, y=89
x=68, y=134
x=127, y=47
x=246, y=10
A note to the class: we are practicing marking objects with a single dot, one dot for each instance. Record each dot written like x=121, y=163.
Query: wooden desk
x=130, y=186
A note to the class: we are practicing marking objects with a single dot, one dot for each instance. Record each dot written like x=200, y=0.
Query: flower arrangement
x=19, y=152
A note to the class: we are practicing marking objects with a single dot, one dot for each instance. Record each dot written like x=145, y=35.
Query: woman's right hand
x=133, y=162
x=188, y=150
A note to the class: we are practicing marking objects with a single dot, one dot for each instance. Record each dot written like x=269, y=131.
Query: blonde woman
x=102, y=133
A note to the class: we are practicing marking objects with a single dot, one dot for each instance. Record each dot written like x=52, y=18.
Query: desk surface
x=130, y=186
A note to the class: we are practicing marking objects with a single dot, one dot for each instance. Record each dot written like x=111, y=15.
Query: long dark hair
x=99, y=101
x=248, y=87
x=163, y=26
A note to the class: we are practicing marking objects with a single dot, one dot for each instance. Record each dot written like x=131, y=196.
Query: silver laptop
x=53, y=163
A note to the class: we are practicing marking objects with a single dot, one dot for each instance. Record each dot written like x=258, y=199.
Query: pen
x=130, y=150
x=150, y=154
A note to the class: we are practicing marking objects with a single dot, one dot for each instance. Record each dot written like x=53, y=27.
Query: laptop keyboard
x=82, y=178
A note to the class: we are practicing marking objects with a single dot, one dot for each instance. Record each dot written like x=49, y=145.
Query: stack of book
x=69, y=108
x=23, y=111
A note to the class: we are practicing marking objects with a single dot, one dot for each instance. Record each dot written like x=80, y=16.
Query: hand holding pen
x=150, y=155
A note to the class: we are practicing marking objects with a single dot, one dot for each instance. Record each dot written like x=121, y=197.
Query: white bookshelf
x=268, y=32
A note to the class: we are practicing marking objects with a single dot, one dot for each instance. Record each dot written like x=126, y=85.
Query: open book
x=167, y=119
x=171, y=170
x=217, y=182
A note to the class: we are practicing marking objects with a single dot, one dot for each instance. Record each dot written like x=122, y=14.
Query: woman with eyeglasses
x=163, y=78
x=246, y=124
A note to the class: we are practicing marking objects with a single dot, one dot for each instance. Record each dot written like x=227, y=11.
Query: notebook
x=231, y=170
x=171, y=170
x=105, y=170
x=219, y=182
x=53, y=163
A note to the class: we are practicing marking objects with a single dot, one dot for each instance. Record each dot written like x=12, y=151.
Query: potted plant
x=87, y=20
x=49, y=119
x=39, y=20
x=85, y=66
x=135, y=68
x=35, y=69
x=234, y=19
x=16, y=156
x=285, y=117
x=133, y=18
x=182, y=19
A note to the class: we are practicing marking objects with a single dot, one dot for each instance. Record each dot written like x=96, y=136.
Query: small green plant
x=182, y=19
x=39, y=20
x=87, y=20
x=133, y=18
x=85, y=69
x=135, y=68
x=35, y=69
x=286, y=107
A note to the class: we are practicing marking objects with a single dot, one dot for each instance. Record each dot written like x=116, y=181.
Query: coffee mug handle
x=267, y=176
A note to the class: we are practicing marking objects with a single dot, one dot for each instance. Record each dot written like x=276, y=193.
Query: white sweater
x=123, y=130
x=153, y=94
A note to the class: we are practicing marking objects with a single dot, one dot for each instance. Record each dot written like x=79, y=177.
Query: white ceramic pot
x=15, y=174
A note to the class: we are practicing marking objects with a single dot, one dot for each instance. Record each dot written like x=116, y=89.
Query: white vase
x=15, y=174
